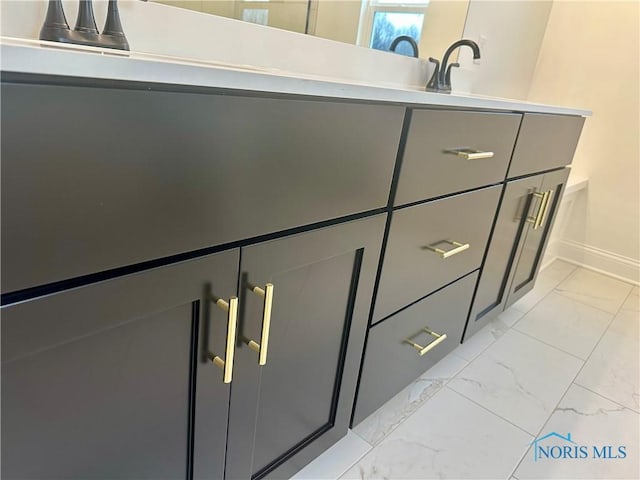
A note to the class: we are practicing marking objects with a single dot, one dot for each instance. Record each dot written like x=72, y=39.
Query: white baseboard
x=593, y=258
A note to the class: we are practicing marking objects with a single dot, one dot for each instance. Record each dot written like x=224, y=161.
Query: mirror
x=433, y=24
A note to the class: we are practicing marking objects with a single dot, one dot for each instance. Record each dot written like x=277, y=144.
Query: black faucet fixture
x=56, y=28
x=441, y=79
x=404, y=38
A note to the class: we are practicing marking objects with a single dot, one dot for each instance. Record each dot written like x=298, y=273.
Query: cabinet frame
x=505, y=287
x=362, y=239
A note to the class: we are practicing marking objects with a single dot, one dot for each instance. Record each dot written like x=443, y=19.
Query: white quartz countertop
x=46, y=58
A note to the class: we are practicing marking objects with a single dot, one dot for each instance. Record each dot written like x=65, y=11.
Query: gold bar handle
x=231, y=308
x=460, y=247
x=546, y=206
x=470, y=154
x=538, y=219
x=261, y=348
x=422, y=350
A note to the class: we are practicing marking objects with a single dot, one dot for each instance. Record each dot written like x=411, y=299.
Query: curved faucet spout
x=460, y=43
x=404, y=38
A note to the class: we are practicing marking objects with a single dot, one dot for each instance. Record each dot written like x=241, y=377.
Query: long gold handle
x=231, y=308
x=422, y=350
x=470, y=154
x=538, y=219
x=460, y=247
x=261, y=348
x=546, y=206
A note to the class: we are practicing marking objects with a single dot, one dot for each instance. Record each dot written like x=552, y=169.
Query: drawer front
x=391, y=363
x=133, y=175
x=545, y=142
x=411, y=269
x=429, y=170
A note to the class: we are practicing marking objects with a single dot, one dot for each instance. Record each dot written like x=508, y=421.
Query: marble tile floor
x=565, y=358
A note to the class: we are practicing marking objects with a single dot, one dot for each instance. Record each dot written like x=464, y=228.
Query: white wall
x=443, y=25
x=338, y=20
x=590, y=57
x=513, y=31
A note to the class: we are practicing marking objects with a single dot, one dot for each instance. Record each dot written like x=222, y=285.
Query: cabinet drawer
x=545, y=142
x=429, y=170
x=391, y=363
x=411, y=269
x=134, y=175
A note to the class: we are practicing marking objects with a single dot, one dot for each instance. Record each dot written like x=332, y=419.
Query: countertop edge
x=101, y=64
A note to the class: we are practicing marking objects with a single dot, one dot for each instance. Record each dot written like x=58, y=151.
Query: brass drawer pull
x=231, y=308
x=460, y=247
x=543, y=209
x=546, y=206
x=262, y=347
x=422, y=350
x=470, y=154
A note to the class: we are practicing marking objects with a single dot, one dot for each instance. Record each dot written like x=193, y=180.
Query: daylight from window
x=256, y=15
x=389, y=25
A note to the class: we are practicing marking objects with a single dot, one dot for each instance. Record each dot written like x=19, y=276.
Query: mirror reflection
x=429, y=25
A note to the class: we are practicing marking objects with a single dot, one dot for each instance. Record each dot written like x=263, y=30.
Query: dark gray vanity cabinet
x=433, y=244
x=188, y=273
x=545, y=142
x=116, y=379
x=105, y=381
x=156, y=172
x=520, y=235
x=454, y=151
x=547, y=200
x=286, y=412
x=413, y=340
x=132, y=377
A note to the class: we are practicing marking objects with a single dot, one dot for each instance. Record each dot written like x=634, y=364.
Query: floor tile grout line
x=555, y=346
x=495, y=339
x=364, y=439
x=357, y=459
x=573, y=382
x=560, y=292
x=534, y=305
x=509, y=477
x=555, y=286
x=584, y=361
x=601, y=274
x=553, y=289
x=444, y=384
x=490, y=411
x=621, y=309
x=610, y=314
x=526, y=449
x=575, y=268
x=606, y=398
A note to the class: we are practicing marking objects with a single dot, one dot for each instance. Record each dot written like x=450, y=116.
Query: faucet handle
x=447, y=78
x=433, y=84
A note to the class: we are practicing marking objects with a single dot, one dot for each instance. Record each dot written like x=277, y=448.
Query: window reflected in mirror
x=433, y=24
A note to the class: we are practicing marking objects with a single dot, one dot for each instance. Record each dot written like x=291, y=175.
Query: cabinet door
x=99, y=381
x=493, y=287
x=286, y=412
x=535, y=241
